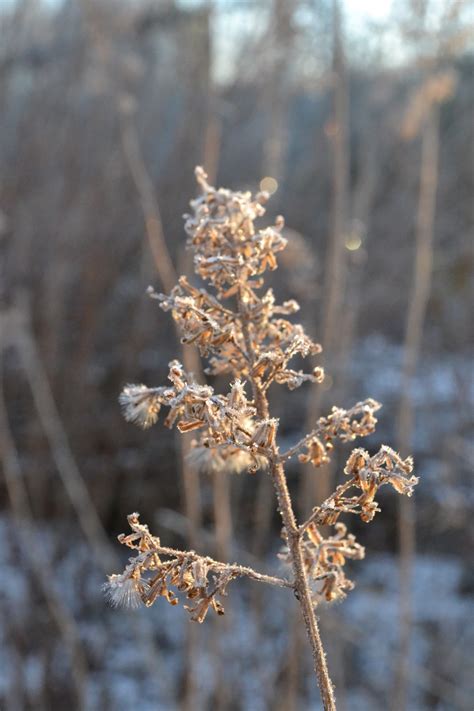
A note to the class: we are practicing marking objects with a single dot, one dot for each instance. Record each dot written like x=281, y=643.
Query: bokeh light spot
x=327, y=383
x=353, y=242
x=269, y=185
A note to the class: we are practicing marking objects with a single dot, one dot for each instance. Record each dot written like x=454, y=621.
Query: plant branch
x=299, y=445
x=234, y=569
x=302, y=590
x=316, y=511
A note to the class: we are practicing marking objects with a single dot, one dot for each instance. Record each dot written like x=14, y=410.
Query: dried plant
x=246, y=335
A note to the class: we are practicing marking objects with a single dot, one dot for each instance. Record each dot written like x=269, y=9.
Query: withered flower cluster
x=367, y=474
x=244, y=333
x=341, y=424
x=230, y=422
x=324, y=560
x=156, y=569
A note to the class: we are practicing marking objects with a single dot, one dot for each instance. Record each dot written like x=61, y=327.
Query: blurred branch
x=37, y=559
x=417, y=304
x=335, y=267
x=21, y=336
x=168, y=278
x=146, y=194
x=16, y=331
x=191, y=360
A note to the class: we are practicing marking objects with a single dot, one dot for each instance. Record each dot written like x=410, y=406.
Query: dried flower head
x=124, y=590
x=156, y=569
x=341, y=424
x=367, y=474
x=140, y=404
x=324, y=560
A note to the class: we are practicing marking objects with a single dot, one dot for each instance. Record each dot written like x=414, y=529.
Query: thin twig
x=284, y=456
x=421, y=285
x=341, y=489
x=238, y=571
x=37, y=559
x=15, y=326
x=168, y=277
x=60, y=448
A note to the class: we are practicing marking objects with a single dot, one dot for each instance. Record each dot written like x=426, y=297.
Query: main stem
x=302, y=590
x=293, y=534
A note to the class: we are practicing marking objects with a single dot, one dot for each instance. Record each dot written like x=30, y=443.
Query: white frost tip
x=140, y=405
x=122, y=593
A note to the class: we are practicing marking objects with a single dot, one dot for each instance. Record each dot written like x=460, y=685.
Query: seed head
x=140, y=405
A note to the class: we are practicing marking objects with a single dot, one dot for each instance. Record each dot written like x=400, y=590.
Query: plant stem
x=301, y=586
x=293, y=533
x=302, y=590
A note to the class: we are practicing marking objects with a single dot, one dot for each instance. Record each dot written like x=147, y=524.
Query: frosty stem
x=293, y=535
x=301, y=586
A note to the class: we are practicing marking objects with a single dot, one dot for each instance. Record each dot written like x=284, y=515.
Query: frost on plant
x=243, y=333
x=156, y=568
